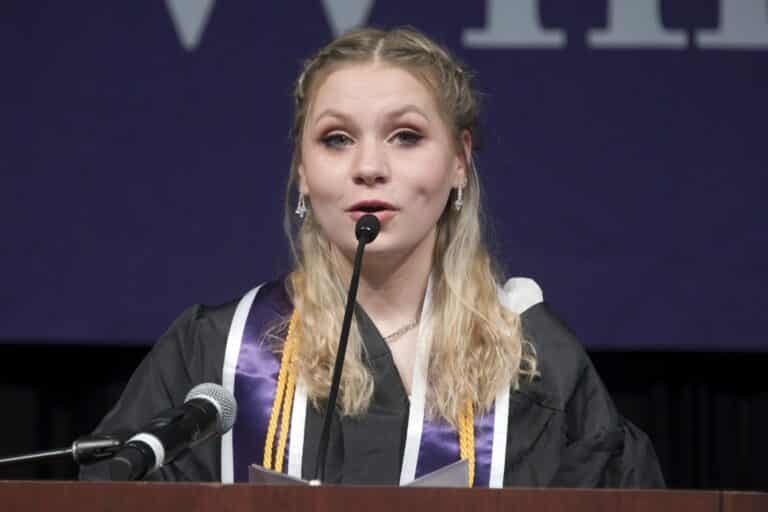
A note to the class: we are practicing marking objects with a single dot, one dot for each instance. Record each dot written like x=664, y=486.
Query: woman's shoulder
x=200, y=332
x=561, y=358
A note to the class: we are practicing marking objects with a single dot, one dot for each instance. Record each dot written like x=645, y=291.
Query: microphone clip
x=90, y=449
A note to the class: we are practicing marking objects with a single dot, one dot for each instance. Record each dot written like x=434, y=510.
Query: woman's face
x=374, y=141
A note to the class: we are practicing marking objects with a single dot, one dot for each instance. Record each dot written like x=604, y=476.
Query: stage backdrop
x=145, y=150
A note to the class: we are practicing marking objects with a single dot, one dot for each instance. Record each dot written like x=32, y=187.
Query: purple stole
x=256, y=379
x=255, y=386
x=440, y=447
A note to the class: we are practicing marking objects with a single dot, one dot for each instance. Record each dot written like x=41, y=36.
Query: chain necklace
x=404, y=329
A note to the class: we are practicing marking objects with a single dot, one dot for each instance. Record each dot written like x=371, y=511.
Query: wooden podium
x=202, y=497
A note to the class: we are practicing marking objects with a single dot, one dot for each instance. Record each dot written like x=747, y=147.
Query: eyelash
x=403, y=137
x=335, y=140
x=411, y=137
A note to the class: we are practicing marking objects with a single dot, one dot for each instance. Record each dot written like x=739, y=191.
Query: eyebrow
x=330, y=112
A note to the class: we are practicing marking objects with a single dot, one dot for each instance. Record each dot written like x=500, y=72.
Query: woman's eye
x=408, y=138
x=336, y=140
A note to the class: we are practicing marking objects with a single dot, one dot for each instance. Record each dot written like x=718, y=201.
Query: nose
x=371, y=166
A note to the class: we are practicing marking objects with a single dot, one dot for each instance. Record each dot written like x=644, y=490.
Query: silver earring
x=301, y=208
x=459, y=202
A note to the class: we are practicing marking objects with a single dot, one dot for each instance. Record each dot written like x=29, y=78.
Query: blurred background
x=144, y=152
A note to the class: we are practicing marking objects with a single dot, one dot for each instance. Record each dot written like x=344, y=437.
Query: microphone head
x=221, y=398
x=367, y=228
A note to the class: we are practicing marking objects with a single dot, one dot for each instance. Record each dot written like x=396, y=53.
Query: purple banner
x=145, y=151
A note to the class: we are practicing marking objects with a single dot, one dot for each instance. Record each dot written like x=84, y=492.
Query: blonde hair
x=477, y=344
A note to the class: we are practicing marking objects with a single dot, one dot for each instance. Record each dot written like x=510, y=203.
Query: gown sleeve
x=191, y=352
x=603, y=448
x=598, y=447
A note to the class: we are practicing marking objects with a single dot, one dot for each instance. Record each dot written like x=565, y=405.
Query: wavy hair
x=477, y=344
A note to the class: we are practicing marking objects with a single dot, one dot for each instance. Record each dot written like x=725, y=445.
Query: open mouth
x=371, y=207
x=382, y=210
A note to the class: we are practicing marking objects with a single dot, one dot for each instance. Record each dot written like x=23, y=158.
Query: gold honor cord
x=467, y=438
x=281, y=407
x=281, y=410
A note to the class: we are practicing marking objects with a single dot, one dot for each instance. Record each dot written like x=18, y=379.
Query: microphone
x=209, y=410
x=366, y=230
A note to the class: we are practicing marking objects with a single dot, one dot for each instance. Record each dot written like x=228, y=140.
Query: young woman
x=444, y=361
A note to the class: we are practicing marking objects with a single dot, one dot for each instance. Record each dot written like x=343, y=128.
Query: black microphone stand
x=85, y=450
x=366, y=229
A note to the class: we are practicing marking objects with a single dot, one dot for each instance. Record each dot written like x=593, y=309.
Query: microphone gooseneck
x=366, y=230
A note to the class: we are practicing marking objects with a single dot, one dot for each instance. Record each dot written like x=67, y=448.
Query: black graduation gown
x=564, y=430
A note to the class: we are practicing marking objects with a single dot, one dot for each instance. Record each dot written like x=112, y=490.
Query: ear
x=302, y=181
x=462, y=159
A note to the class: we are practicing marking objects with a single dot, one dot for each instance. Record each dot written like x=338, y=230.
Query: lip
x=384, y=211
x=371, y=203
x=382, y=215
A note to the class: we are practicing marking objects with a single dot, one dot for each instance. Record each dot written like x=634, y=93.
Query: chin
x=388, y=245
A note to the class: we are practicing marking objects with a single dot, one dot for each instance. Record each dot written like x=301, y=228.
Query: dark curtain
x=707, y=413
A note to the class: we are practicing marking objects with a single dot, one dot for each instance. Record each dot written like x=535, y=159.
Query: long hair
x=477, y=345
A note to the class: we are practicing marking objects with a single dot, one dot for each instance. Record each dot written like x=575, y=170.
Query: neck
x=392, y=286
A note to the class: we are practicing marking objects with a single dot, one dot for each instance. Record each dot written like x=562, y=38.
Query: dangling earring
x=459, y=202
x=301, y=208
